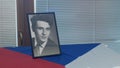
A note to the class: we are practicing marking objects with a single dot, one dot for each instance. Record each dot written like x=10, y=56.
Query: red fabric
x=11, y=59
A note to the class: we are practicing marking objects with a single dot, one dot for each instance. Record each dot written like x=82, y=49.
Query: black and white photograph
x=44, y=34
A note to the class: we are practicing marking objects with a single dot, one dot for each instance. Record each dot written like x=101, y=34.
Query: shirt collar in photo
x=42, y=45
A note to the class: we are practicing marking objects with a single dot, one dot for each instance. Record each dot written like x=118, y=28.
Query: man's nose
x=44, y=32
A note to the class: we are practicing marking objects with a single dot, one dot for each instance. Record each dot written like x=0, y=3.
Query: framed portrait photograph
x=44, y=34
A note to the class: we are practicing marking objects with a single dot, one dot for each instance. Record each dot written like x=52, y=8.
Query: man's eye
x=39, y=28
x=48, y=28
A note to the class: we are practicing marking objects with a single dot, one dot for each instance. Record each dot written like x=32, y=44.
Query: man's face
x=42, y=31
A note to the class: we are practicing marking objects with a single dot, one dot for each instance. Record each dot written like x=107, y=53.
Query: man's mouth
x=44, y=37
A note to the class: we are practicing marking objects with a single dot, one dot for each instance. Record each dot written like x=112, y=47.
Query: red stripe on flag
x=11, y=59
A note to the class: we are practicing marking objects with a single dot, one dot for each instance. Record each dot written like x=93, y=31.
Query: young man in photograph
x=42, y=44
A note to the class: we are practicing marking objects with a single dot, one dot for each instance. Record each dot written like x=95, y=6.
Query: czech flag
x=72, y=56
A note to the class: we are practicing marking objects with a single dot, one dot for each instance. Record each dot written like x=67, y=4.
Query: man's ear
x=33, y=29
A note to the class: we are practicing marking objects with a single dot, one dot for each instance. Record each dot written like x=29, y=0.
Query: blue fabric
x=68, y=52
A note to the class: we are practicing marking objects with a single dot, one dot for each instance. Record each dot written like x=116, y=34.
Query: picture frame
x=43, y=34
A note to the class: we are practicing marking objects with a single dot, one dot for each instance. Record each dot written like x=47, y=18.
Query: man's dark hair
x=42, y=17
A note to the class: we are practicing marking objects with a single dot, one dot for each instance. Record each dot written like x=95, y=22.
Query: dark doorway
x=24, y=7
